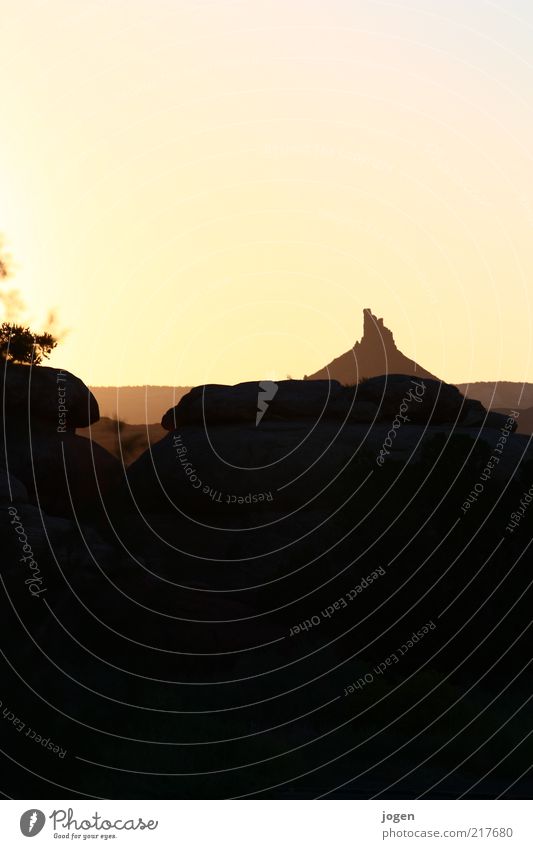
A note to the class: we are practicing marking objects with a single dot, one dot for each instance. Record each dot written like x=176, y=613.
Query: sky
x=212, y=191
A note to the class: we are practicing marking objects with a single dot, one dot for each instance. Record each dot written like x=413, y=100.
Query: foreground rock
x=61, y=472
x=424, y=401
x=49, y=396
x=256, y=401
x=221, y=456
x=374, y=400
x=12, y=491
x=62, y=475
x=207, y=650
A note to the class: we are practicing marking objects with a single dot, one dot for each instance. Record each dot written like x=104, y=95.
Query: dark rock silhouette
x=62, y=472
x=216, y=455
x=211, y=638
x=374, y=400
x=41, y=391
x=293, y=399
x=375, y=354
x=11, y=489
x=144, y=404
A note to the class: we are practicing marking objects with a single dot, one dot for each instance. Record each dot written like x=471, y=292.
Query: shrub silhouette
x=19, y=344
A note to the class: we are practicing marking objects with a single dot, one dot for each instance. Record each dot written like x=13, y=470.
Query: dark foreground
x=308, y=621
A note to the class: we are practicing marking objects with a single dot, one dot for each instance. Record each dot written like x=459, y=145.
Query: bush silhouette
x=19, y=344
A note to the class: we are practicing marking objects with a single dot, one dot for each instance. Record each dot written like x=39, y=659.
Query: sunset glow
x=213, y=191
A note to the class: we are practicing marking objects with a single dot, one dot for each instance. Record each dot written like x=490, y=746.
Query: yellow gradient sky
x=213, y=190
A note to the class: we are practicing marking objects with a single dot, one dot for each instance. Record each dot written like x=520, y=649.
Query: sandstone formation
x=311, y=432
x=274, y=550
x=374, y=400
x=374, y=355
x=52, y=397
x=61, y=472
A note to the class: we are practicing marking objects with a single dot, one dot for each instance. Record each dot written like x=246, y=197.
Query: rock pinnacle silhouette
x=375, y=354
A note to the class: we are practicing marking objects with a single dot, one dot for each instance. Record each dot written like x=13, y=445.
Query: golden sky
x=213, y=190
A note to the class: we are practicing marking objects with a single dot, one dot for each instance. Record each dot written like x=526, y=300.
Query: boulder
x=228, y=451
x=382, y=398
x=284, y=465
x=346, y=406
x=473, y=413
x=11, y=489
x=53, y=397
x=499, y=420
x=62, y=475
x=419, y=399
x=255, y=402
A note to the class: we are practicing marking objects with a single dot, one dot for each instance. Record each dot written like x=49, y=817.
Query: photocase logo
x=32, y=822
x=267, y=391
